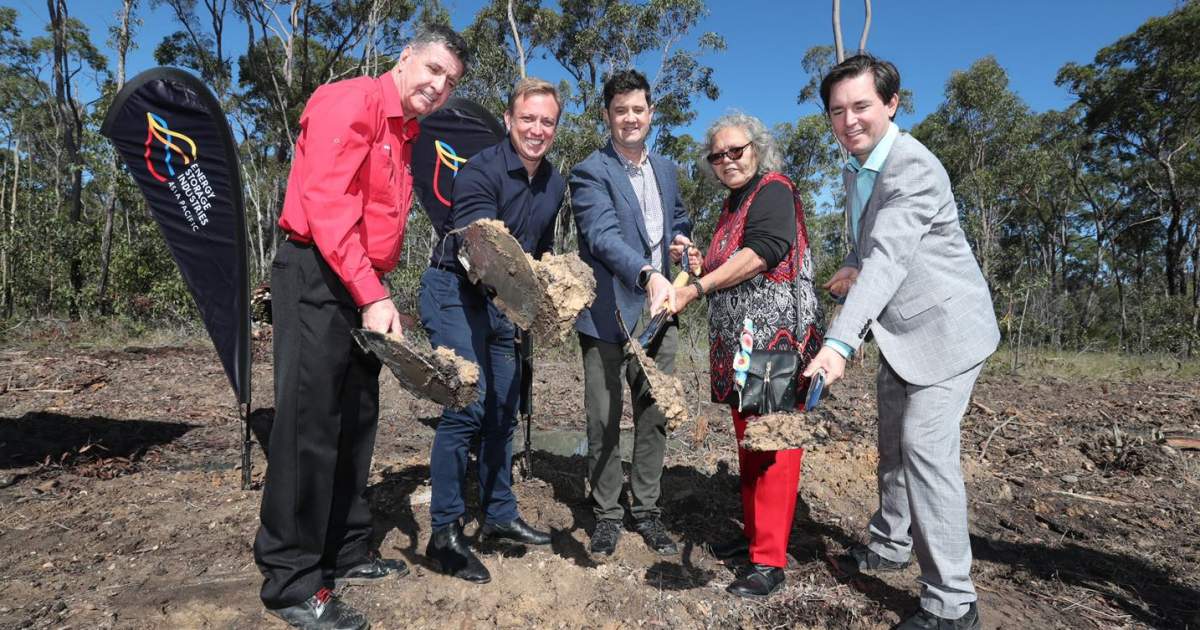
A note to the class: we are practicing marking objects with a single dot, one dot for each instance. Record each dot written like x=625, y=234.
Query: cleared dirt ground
x=120, y=504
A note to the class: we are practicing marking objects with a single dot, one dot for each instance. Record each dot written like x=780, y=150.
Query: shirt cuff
x=839, y=347
x=367, y=291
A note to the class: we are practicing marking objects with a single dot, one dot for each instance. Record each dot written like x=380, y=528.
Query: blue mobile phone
x=815, y=387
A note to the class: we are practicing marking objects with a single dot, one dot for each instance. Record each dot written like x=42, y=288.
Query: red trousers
x=770, y=481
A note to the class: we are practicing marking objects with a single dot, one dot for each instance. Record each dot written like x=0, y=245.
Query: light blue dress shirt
x=860, y=193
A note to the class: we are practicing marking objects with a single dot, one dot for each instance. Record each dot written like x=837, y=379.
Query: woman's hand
x=684, y=296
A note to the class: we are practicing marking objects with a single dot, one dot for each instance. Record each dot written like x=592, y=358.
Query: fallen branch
x=1183, y=443
x=983, y=451
x=1088, y=497
x=984, y=408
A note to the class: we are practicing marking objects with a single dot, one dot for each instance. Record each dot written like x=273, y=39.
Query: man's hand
x=678, y=246
x=839, y=285
x=661, y=292
x=830, y=362
x=382, y=317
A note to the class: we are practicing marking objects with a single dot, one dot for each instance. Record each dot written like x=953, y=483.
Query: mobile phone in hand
x=815, y=386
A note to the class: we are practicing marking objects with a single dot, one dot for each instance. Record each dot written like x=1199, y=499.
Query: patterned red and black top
x=781, y=301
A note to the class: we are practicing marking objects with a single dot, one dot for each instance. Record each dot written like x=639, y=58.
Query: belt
x=458, y=271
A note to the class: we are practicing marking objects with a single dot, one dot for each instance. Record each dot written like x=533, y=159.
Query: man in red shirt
x=348, y=197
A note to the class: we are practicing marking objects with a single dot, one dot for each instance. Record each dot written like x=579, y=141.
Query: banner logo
x=447, y=156
x=158, y=129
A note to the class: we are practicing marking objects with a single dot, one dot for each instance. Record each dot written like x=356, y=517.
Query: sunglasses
x=733, y=153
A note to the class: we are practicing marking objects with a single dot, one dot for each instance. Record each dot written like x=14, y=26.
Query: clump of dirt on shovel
x=542, y=296
x=665, y=389
x=439, y=375
x=778, y=432
x=568, y=286
x=458, y=376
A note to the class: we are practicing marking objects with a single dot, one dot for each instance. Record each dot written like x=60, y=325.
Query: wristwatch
x=643, y=278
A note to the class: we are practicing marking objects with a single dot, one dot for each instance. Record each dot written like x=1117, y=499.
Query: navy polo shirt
x=495, y=185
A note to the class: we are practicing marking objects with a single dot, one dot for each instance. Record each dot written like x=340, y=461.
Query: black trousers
x=314, y=517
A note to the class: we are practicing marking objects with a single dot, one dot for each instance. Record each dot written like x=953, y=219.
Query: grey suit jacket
x=919, y=288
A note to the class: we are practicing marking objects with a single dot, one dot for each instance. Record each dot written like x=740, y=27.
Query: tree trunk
x=862, y=41
x=6, y=293
x=71, y=126
x=838, y=48
x=512, y=22
x=123, y=41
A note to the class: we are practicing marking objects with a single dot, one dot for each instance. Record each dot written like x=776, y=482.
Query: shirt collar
x=513, y=163
x=631, y=168
x=393, y=107
x=879, y=154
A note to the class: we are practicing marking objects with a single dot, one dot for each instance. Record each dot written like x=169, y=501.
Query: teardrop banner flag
x=450, y=136
x=176, y=143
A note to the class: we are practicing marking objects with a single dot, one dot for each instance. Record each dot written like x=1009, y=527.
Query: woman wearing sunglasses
x=757, y=278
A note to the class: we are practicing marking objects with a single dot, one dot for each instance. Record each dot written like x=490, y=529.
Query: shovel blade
x=494, y=258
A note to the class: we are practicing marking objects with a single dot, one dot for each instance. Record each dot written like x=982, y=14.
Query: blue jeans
x=458, y=316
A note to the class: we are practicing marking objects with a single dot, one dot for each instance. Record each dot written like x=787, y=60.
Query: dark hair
x=887, y=77
x=446, y=36
x=624, y=81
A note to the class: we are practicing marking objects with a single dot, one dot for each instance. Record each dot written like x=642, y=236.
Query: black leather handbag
x=770, y=382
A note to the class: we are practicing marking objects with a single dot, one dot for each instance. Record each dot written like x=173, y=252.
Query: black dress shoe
x=656, y=536
x=925, y=620
x=731, y=548
x=862, y=558
x=605, y=537
x=374, y=568
x=517, y=530
x=760, y=581
x=448, y=548
x=322, y=611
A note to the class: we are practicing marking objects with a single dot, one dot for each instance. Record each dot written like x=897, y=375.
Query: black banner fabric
x=449, y=137
x=176, y=143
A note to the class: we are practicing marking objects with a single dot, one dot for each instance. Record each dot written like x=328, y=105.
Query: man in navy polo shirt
x=513, y=183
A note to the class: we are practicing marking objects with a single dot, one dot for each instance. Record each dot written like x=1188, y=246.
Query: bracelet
x=695, y=282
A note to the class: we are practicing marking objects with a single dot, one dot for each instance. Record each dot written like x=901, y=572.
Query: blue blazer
x=613, y=239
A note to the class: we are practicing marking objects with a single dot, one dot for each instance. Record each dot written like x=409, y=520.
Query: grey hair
x=446, y=36
x=761, y=139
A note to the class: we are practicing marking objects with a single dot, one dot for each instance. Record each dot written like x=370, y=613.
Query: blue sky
x=760, y=72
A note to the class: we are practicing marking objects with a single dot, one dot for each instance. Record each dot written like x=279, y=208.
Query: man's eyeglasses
x=733, y=153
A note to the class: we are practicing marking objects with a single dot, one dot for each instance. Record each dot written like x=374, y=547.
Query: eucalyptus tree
x=1141, y=97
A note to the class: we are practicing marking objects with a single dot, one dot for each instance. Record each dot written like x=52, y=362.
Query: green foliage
x=1086, y=221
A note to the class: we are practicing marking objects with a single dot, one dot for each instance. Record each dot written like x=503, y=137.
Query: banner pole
x=247, y=444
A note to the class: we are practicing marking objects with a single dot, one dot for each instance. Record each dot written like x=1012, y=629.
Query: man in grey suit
x=911, y=280
x=631, y=224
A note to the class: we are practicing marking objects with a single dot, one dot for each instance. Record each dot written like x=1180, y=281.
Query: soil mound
x=779, y=432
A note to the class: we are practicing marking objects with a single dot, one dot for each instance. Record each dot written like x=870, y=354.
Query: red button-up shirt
x=350, y=188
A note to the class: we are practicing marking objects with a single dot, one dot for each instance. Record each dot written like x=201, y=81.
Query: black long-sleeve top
x=770, y=221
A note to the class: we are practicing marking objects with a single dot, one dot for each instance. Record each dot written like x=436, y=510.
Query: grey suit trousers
x=604, y=368
x=922, y=499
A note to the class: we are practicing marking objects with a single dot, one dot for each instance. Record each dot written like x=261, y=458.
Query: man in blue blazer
x=631, y=225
